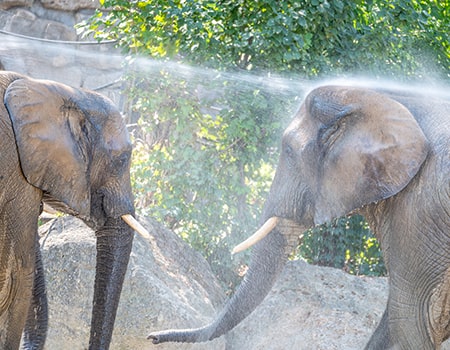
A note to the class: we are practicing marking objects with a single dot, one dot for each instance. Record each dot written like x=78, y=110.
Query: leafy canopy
x=308, y=37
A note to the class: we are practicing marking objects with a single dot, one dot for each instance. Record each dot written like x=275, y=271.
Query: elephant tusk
x=257, y=236
x=135, y=225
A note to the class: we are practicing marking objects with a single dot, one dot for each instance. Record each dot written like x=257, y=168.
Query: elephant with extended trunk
x=68, y=148
x=386, y=155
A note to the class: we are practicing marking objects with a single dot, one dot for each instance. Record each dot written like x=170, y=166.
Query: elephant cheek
x=115, y=207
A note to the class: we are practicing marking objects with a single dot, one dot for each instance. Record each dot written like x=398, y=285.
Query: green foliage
x=206, y=146
x=310, y=38
x=345, y=243
x=201, y=169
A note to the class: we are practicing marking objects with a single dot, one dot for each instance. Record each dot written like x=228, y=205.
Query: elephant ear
x=51, y=139
x=371, y=147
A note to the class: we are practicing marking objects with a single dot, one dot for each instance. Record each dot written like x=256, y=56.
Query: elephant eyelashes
x=289, y=151
x=290, y=155
x=121, y=162
x=328, y=134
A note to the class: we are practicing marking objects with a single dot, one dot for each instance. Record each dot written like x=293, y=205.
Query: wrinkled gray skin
x=387, y=156
x=68, y=148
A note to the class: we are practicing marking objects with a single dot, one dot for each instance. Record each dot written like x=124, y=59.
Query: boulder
x=70, y=5
x=7, y=4
x=167, y=285
x=312, y=307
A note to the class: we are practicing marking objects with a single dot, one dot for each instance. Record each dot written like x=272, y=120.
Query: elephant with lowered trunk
x=68, y=148
x=386, y=155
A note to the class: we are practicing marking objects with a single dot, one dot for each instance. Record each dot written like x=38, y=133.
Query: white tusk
x=49, y=210
x=135, y=225
x=257, y=236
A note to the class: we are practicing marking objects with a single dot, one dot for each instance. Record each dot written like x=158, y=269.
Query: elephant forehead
x=300, y=130
x=116, y=135
x=335, y=96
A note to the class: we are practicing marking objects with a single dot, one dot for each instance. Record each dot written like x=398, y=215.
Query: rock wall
x=46, y=19
x=38, y=38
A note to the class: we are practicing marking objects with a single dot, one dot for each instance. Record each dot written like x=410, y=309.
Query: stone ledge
x=68, y=5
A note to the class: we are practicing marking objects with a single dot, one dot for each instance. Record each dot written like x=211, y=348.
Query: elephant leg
x=408, y=325
x=418, y=307
x=16, y=284
x=380, y=338
x=401, y=328
x=18, y=227
x=35, y=330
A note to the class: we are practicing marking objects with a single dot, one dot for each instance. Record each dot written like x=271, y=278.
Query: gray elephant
x=386, y=155
x=68, y=148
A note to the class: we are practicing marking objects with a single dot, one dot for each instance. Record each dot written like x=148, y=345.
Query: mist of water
x=101, y=67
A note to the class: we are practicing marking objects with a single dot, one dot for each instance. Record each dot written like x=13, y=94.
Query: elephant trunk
x=114, y=243
x=268, y=259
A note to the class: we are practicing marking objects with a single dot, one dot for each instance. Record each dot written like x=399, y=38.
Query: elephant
x=67, y=148
x=381, y=152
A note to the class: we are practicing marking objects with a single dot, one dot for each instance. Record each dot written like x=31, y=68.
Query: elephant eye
x=290, y=154
x=289, y=151
x=327, y=134
x=121, y=162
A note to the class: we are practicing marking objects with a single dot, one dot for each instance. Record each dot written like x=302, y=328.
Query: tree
x=310, y=38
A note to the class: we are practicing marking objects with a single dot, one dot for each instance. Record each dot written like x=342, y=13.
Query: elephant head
x=345, y=148
x=73, y=146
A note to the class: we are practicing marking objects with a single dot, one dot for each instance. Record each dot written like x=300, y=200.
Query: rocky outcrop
x=167, y=285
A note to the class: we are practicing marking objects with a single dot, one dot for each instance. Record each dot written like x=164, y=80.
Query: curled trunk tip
x=196, y=335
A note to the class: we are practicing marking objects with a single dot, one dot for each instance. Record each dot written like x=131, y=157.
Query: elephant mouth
x=111, y=208
x=52, y=206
